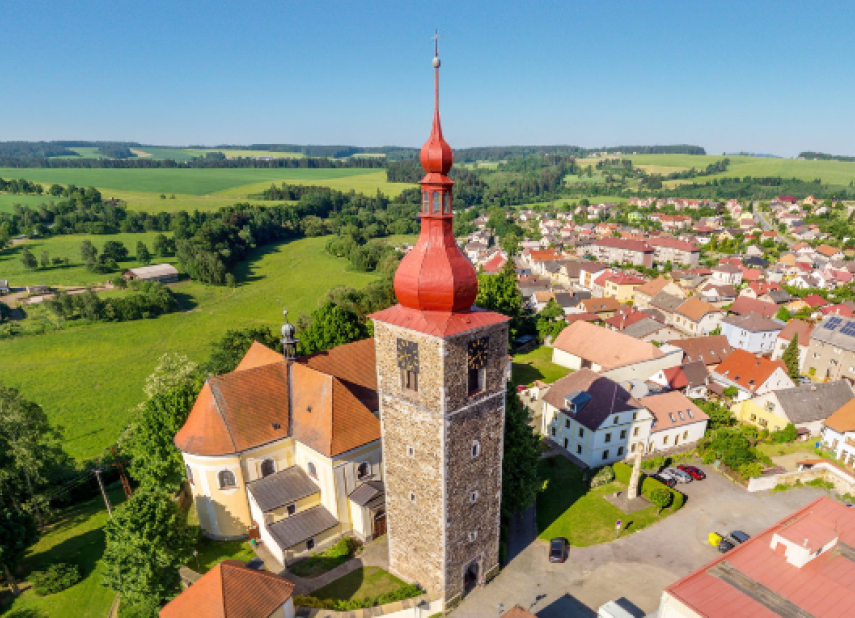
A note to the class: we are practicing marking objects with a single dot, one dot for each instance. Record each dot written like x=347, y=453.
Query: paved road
x=766, y=226
x=635, y=568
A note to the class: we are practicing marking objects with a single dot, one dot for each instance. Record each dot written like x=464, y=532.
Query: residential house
x=797, y=567
x=721, y=293
x=697, y=317
x=666, y=305
x=651, y=330
x=589, y=272
x=645, y=292
x=676, y=421
x=838, y=434
x=615, y=355
x=830, y=253
x=568, y=301
x=599, y=421
x=727, y=273
x=233, y=590
x=794, y=328
x=831, y=352
x=604, y=308
x=710, y=350
x=744, y=306
x=752, y=333
x=777, y=297
x=678, y=252
x=540, y=299
x=692, y=379
x=805, y=406
x=751, y=374
x=621, y=286
x=621, y=251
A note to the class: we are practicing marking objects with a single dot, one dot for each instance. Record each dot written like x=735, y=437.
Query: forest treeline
x=823, y=156
x=199, y=162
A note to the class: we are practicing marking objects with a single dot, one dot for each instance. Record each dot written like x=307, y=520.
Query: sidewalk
x=375, y=553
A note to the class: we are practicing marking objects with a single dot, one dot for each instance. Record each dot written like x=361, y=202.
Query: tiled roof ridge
x=219, y=401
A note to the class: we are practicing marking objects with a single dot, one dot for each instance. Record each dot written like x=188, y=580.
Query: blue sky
x=757, y=76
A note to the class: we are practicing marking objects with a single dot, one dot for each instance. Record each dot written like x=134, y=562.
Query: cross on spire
x=435, y=38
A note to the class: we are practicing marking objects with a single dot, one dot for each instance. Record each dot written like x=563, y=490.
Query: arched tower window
x=312, y=470
x=363, y=471
x=226, y=478
x=267, y=467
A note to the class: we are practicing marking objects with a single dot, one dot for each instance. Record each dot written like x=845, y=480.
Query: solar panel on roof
x=833, y=323
x=849, y=329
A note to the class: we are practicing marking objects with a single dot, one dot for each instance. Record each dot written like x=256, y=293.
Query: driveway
x=635, y=568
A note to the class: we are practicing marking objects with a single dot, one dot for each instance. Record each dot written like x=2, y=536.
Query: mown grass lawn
x=12, y=268
x=536, y=365
x=8, y=200
x=75, y=537
x=567, y=509
x=358, y=584
x=88, y=379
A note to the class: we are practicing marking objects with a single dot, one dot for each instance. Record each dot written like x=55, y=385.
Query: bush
x=56, y=578
x=605, y=476
x=648, y=484
x=660, y=497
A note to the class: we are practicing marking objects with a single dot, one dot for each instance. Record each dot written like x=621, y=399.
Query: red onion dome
x=435, y=275
x=436, y=156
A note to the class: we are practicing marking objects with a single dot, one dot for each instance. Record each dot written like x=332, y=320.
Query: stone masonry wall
x=429, y=538
x=415, y=528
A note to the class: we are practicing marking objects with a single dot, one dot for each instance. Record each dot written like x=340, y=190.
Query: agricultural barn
x=165, y=273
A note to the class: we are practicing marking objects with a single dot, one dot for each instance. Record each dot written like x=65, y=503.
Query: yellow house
x=288, y=451
x=621, y=286
x=760, y=413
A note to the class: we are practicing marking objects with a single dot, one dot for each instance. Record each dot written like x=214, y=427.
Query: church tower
x=441, y=366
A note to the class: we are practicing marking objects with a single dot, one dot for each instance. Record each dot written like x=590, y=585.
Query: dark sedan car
x=739, y=536
x=557, y=550
x=695, y=473
x=665, y=480
x=726, y=545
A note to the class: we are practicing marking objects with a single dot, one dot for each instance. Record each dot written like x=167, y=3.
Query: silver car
x=679, y=475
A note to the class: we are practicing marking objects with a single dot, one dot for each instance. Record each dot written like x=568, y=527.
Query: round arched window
x=226, y=479
x=267, y=467
x=313, y=471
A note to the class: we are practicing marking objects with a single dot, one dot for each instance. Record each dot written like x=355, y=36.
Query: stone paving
x=634, y=568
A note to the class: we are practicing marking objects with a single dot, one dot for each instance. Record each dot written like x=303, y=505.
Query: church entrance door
x=470, y=577
x=379, y=524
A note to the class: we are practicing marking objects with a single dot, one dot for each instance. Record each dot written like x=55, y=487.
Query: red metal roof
x=437, y=323
x=824, y=587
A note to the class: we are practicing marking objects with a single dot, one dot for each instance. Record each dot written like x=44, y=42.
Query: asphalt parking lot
x=635, y=568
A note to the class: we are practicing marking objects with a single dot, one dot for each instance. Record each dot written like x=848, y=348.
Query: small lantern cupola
x=289, y=342
x=435, y=275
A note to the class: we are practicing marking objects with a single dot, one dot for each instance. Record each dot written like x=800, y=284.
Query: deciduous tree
x=28, y=259
x=18, y=530
x=520, y=482
x=143, y=254
x=228, y=351
x=330, y=326
x=147, y=541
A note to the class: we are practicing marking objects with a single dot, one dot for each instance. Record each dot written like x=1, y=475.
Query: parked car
x=682, y=477
x=557, y=550
x=726, y=545
x=695, y=473
x=739, y=536
x=670, y=481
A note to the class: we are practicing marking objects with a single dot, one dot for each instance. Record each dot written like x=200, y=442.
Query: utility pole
x=104, y=492
x=126, y=484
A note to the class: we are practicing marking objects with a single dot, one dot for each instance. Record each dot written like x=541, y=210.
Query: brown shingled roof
x=231, y=590
x=711, y=350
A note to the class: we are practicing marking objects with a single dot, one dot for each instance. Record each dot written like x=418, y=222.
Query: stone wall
x=429, y=537
x=825, y=471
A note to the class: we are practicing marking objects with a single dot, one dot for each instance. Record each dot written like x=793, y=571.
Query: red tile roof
x=815, y=301
x=748, y=371
x=673, y=243
x=627, y=245
x=672, y=409
x=744, y=305
x=436, y=323
x=606, y=348
x=797, y=326
x=494, y=264
x=230, y=590
x=621, y=320
x=624, y=279
x=843, y=310
x=332, y=398
x=823, y=588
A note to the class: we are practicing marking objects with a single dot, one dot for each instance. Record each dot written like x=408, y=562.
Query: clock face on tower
x=478, y=353
x=408, y=355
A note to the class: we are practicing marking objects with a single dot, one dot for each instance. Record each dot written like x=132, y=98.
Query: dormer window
x=680, y=414
x=672, y=417
x=689, y=412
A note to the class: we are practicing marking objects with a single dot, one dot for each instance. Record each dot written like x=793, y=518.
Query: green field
x=12, y=269
x=88, y=379
x=8, y=200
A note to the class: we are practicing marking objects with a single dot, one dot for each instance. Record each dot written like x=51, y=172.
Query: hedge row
x=407, y=591
x=623, y=473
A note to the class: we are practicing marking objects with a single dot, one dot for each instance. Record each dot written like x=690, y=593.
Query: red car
x=695, y=473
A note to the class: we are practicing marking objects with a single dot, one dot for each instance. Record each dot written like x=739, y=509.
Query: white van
x=613, y=610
